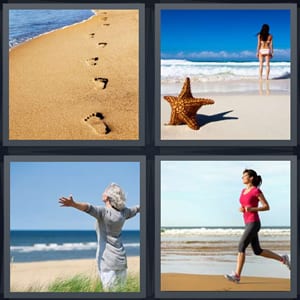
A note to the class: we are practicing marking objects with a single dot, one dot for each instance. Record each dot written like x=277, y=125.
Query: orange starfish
x=185, y=106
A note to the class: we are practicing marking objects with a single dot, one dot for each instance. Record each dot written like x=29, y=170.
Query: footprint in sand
x=95, y=121
x=104, y=18
x=92, y=61
x=92, y=35
x=102, y=44
x=106, y=24
x=101, y=81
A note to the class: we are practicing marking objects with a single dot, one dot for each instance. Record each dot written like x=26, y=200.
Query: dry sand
x=52, y=86
x=234, y=116
x=187, y=282
x=41, y=274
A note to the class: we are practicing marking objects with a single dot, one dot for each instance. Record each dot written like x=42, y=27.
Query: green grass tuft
x=77, y=283
x=84, y=284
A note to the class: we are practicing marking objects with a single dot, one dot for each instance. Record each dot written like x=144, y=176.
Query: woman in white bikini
x=264, y=49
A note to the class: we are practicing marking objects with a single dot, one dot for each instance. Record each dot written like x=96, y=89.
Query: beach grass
x=81, y=283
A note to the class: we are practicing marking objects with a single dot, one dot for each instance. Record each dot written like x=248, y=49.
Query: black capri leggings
x=250, y=235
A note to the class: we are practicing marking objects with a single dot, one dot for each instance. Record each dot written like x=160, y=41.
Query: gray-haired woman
x=111, y=254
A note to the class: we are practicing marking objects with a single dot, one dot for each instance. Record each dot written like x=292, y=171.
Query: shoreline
x=187, y=282
x=53, y=30
x=26, y=275
x=236, y=87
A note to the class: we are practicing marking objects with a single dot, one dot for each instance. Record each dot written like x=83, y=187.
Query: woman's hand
x=242, y=209
x=67, y=201
x=248, y=209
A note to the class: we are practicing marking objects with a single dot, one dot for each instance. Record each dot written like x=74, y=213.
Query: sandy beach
x=188, y=282
x=41, y=274
x=260, y=115
x=58, y=80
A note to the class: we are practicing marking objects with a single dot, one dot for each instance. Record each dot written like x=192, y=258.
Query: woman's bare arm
x=69, y=202
x=258, y=45
x=271, y=45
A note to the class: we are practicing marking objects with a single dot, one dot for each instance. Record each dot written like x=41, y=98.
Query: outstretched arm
x=69, y=202
x=131, y=212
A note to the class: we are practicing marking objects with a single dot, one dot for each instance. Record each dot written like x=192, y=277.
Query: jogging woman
x=250, y=198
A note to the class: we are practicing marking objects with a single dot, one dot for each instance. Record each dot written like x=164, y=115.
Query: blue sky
x=206, y=193
x=37, y=186
x=211, y=35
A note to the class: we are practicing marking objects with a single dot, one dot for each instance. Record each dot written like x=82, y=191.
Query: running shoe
x=286, y=261
x=232, y=277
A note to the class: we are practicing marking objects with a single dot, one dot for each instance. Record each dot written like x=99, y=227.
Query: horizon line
x=212, y=226
x=65, y=229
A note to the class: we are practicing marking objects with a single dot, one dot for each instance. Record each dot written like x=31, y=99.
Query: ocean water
x=43, y=245
x=25, y=24
x=213, y=251
x=173, y=70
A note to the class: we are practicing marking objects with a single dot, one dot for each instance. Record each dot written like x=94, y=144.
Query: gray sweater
x=111, y=253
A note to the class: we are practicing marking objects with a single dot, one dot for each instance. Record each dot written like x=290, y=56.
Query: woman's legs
x=269, y=254
x=263, y=252
x=250, y=234
x=267, y=66
x=240, y=263
x=261, y=62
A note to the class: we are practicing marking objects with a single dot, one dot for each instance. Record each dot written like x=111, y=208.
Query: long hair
x=116, y=196
x=257, y=180
x=264, y=32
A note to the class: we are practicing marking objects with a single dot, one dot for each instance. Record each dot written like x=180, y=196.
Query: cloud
x=246, y=54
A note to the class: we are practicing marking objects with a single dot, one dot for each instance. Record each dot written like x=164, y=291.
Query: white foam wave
x=175, y=70
x=221, y=232
x=62, y=247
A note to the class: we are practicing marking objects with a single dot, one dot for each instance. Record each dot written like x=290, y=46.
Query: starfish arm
x=190, y=121
x=173, y=118
x=198, y=101
x=170, y=99
x=186, y=90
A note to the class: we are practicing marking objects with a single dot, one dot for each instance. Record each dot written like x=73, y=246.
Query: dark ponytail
x=257, y=180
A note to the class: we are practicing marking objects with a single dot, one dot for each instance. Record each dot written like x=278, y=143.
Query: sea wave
x=222, y=232
x=63, y=247
x=23, y=26
x=174, y=70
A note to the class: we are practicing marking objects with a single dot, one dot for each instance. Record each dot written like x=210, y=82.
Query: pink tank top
x=250, y=200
